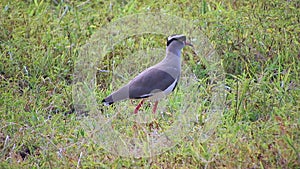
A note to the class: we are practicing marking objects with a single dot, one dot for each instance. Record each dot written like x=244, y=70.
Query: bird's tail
x=118, y=95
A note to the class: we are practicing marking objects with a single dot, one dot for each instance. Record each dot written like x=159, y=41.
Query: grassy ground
x=258, y=42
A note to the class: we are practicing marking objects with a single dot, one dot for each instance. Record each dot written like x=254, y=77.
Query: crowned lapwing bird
x=157, y=81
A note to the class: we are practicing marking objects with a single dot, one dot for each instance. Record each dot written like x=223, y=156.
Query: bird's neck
x=174, y=49
x=172, y=57
x=173, y=53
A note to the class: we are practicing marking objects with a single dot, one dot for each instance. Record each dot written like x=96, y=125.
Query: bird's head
x=178, y=38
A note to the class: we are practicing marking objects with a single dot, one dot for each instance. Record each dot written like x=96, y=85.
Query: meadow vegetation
x=258, y=41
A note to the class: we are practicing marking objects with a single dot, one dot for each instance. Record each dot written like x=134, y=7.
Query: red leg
x=155, y=107
x=138, y=106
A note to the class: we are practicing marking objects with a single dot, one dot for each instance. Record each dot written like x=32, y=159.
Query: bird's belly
x=170, y=88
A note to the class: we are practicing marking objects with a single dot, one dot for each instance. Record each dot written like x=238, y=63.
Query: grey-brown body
x=160, y=79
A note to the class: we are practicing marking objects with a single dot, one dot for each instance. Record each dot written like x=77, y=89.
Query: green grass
x=257, y=41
